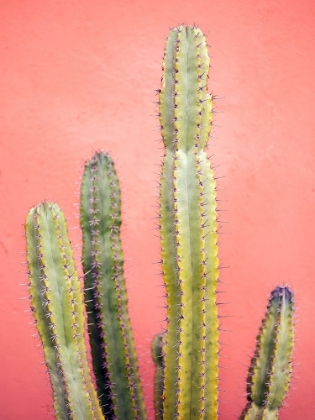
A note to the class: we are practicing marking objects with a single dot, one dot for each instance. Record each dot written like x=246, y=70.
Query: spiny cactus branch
x=112, y=344
x=157, y=355
x=57, y=304
x=271, y=367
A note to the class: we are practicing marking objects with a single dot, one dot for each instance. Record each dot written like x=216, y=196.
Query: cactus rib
x=57, y=304
x=188, y=222
x=270, y=369
x=112, y=344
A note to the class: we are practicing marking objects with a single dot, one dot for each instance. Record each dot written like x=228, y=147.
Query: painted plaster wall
x=77, y=76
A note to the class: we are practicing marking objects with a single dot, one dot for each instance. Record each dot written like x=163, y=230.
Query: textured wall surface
x=77, y=76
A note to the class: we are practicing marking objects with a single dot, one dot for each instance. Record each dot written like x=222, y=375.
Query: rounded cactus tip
x=44, y=206
x=282, y=292
x=157, y=349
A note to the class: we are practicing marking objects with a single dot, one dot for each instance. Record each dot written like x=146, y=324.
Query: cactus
x=112, y=344
x=186, y=354
x=188, y=231
x=270, y=369
x=57, y=304
x=157, y=350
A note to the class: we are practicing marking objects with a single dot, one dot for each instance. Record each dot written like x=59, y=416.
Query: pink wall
x=80, y=75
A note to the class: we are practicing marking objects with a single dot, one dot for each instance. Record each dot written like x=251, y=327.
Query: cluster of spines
x=57, y=305
x=188, y=230
x=271, y=367
x=112, y=344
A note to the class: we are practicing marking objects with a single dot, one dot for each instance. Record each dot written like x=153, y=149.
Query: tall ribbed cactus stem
x=112, y=344
x=57, y=304
x=188, y=231
x=271, y=366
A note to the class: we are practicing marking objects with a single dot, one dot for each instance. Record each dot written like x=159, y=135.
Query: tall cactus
x=188, y=230
x=112, y=344
x=270, y=370
x=57, y=304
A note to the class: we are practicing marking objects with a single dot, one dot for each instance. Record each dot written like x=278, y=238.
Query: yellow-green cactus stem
x=157, y=356
x=271, y=367
x=58, y=308
x=188, y=220
x=112, y=343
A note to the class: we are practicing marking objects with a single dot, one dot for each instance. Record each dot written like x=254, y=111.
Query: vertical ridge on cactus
x=57, y=304
x=188, y=222
x=270, y=370
x=112, y=344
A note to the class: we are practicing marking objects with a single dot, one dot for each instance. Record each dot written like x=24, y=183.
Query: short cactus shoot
x=271, y=367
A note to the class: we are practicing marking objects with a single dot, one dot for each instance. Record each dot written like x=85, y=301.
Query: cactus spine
x=270, y=370
x=188, y=231
x=112, y=344
x=57, y=304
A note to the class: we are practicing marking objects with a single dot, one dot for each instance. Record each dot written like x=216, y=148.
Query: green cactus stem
x=57, y=305
x=188, y=220
x=271, y=367
x=112, y=343
x=157, y=356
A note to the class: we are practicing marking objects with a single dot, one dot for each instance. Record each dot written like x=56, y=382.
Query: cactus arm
x=166, y=96
x=187, y=218
x=270, y=370
x=115, y=365
x=48, y=249
x=168, y=240
x=282, y=363
x=95, y=331
x=157, y=355
x=37, y=296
